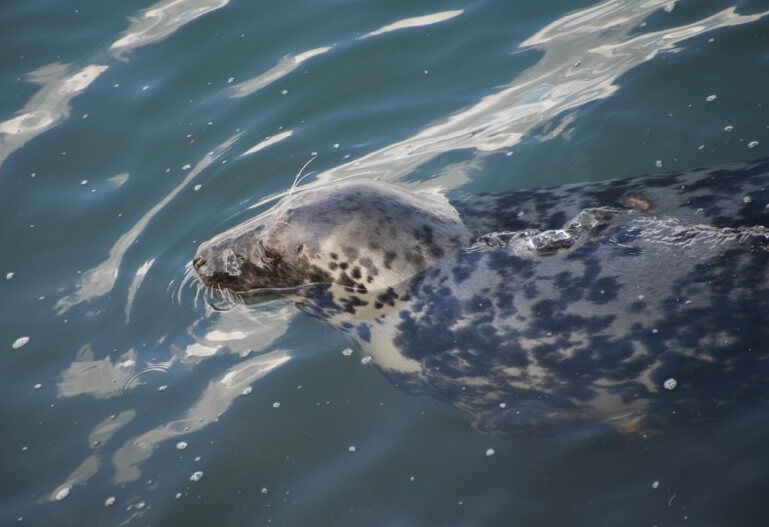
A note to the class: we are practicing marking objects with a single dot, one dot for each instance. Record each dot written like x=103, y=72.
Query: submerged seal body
x=631, y=301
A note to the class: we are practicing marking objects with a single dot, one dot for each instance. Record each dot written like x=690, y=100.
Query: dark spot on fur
x=388, y=259
x=345, y=280
x=388, y=297
x=415, y=258
x=349, y=305
x=368, y=264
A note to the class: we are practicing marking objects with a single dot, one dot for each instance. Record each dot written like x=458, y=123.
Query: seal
x=631, y=302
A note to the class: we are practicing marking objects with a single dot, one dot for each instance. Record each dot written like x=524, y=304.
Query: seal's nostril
x=197, y=263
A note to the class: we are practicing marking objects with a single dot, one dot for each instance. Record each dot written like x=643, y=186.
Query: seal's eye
x=197, y=263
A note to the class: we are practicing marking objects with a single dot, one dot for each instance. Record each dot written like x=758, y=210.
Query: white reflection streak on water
x=597, y=37
x=215, y=400
x=141, y=272
x=160, y=20
x=267, y=142
x=290, y=62
x=417, y=21
x=101, y=279
x=284, y=66
x=48, y=107
x=99, y=437
x=98, y=378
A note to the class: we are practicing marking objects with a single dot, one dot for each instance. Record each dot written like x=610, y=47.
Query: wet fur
x=571, y=303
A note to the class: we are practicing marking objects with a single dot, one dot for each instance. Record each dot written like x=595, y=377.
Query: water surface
x=130, y=132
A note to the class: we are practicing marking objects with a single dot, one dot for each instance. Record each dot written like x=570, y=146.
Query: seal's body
x=633, y=301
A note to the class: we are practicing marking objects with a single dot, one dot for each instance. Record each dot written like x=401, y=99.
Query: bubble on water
x=728, y=128
x=181, y=445
x=20, y=342
x=656, y=485
x=655, y=331
x=658, y=163
x=489, y=452
x=197, y=475
x=670, y=384
x=197, y=187
x=63, y=493
x=412, y=478
x=109, y=502
x=276, y=404
x=503, y=405
x=247, y=390
x=710, y=98
x=351, y=448
x=9, y=276
x=753, y=144
x=347, y=352
x=366, y=359
x=426, y=72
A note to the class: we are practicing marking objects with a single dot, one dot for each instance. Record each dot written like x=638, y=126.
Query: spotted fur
x=573, y=303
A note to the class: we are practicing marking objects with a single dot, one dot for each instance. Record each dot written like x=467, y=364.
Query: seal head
x=362, y=235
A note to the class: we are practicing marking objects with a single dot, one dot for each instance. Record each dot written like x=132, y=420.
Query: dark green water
x=131, y=131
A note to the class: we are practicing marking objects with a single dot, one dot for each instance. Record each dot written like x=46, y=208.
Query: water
x=130, y=132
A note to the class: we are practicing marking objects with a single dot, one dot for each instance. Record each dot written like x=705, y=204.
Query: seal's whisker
x=297, y=180
x=187, y=278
